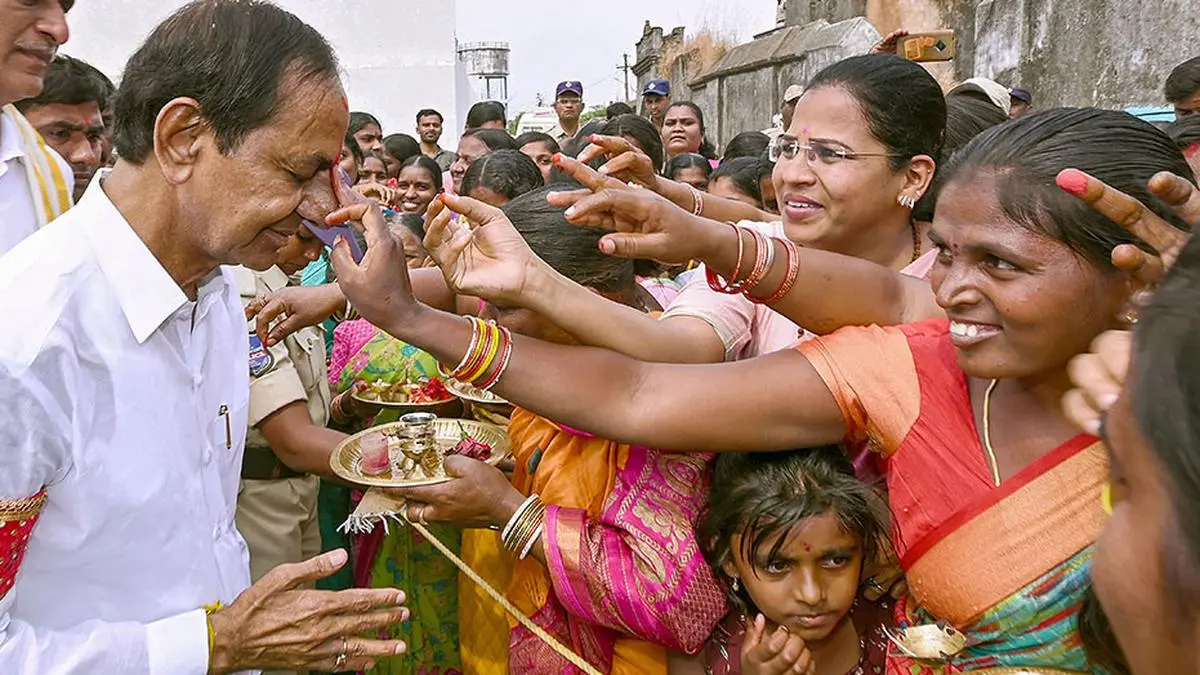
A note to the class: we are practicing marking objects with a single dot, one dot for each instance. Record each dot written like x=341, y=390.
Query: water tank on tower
x=487, y=67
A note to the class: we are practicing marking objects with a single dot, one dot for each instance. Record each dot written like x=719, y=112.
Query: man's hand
x=274, y=624
x=293, y=308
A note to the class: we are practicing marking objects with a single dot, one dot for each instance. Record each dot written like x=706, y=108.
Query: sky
x=585, y=40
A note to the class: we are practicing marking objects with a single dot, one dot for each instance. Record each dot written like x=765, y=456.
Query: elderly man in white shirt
x=125, y=384
x=35, y=182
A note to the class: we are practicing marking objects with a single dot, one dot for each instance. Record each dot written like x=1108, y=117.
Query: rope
x=525, y=621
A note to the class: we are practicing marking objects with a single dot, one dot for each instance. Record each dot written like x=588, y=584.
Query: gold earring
x=907, y=201
x=736, y=587
x=1130, y=316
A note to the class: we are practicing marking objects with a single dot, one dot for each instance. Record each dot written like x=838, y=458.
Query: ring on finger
x=342, y=656
x=421, y=517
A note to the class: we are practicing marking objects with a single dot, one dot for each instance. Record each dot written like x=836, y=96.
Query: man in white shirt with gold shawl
x=124, y=383
x=35, y=183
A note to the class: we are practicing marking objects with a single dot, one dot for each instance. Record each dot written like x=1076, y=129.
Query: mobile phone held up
x=938, y=45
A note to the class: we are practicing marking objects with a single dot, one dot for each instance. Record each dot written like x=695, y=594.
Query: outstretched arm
x=681, y=407
x=830, y=290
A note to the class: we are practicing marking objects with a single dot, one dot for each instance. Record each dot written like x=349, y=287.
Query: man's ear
x=179, y=133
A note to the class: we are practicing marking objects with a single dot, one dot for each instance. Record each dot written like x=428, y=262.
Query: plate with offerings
x=410, y=452
x=473, y=394
x=409, y=394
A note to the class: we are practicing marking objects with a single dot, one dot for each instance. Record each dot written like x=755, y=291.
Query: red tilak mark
x=807, y=548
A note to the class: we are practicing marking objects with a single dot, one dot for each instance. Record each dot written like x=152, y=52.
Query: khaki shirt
x=561, y=136
x=292, y=370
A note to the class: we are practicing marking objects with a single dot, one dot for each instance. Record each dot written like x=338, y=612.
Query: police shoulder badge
x=261, y=360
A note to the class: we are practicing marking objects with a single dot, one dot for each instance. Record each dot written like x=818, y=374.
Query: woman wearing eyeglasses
x=861, y=151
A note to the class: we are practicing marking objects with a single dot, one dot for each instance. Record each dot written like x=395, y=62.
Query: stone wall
x=1106, y=53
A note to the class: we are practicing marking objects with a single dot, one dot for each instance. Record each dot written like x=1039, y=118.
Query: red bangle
x=789, y=279
x=715, y=282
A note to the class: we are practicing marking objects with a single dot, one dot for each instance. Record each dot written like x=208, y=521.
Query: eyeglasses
x=816, y=153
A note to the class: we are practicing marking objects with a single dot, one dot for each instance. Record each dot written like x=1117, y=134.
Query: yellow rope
x=525, y=621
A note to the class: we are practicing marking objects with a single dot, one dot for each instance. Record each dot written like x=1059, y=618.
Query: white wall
x=398, y=55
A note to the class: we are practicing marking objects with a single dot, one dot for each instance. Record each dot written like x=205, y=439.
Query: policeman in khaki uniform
x=277, y=503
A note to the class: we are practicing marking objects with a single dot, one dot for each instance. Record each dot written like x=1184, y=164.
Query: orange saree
x=1007, y=566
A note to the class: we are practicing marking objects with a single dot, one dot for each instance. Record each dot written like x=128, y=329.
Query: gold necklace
x=987, y=432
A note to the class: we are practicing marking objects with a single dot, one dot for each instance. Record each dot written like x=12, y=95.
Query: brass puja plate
x=444, y=408
x=347, y=457
x=473, y=394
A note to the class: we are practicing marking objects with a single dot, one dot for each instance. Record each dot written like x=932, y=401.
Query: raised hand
x=276, y=624
x=625, y=162
x=1098, y=377
x=889, y=43
x=647, y=225
x=486, y=258
x=779, y=653
x=378, y=286
x=1146, y=268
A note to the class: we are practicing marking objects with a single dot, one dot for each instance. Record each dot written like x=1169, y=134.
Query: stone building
x=1106, y=53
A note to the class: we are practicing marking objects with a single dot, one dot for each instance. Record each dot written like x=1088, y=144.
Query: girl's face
x=373, y=170
x=347, y=164
x=469, y=150
x=724, y=186
x=834, y=203
x=811, y=585
x=415, y=189
x=693, y=176
x=681, y=131
x=1145, y=609
x=392, y=164
x=541, y=155
x=1021, y=303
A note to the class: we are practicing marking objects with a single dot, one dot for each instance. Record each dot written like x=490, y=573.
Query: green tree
x=592, y=113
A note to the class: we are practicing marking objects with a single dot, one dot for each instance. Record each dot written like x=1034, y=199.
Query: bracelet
x=714, y=280
x=505, y=358
x=517, y=514
x=537, y=534
x=522, y=540
x=471, y=348
x=697, y=200
x=212, y=634
x=351, y=313
x=524, y=526
x=336, y=412
x=485, y=343
x=789, y=279
x=764, y=255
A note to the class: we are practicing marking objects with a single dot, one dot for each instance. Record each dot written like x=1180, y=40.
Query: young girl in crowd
x=418, y=182
x=397, y=148
x=541, y=148
x=745, y=179
x=475, y=144
x=788, y=534
x=690, y=169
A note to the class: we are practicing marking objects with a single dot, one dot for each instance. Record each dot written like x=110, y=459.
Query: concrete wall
x=392, y=78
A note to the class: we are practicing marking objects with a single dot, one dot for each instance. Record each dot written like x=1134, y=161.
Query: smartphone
x=938, y=45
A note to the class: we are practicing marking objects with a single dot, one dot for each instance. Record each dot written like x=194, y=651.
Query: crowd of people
x=903, y=386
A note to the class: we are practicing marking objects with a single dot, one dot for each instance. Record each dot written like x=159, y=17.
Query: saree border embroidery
x=1031, y=526
x=17, y=518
